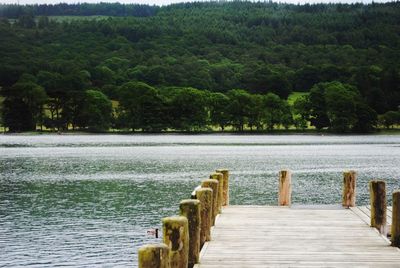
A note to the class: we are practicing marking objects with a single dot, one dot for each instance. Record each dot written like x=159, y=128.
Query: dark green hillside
x=214, y=47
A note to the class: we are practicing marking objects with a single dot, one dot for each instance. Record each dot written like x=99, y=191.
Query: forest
x=227, y=66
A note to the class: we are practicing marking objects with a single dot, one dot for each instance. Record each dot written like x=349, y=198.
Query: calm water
x=87, y=201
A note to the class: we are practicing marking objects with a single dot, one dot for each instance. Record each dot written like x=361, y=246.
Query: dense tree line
x=14, y=11
x=194, y=65
x=141, y=107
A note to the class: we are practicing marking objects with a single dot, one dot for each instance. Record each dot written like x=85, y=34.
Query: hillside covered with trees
x=198, y=66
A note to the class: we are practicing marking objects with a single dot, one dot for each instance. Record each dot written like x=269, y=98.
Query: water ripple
x=88, y=201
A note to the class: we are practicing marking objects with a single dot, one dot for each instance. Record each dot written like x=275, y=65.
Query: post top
x=396, y=192
x=377, y=181
x=175, y=219
x=349, y=171
x=209, y=181
x=204, y=189
x=222, y=170
x=189, y=201
x=153, y=246
x=216, y=174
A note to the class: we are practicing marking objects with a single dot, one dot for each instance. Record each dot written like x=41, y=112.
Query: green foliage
x=16, y=116
x=274, y=111
x=43, y=22
x=390, y=119
x=367, y=118
x=301, y=111
x=96, y=111
x=219, y=114
x=23, y=105
x=340, y=106
x=26, y=21
x=187, y=108
x=258, y=47
x=337, y=106
x=164, y=64
x=318, y=114
x=141, y=107
x=84, y=9
x=294, y=96
x=264, y=79
x=239, y=108
x=256, y=112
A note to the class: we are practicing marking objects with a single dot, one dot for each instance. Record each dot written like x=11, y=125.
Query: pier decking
x=266, y=236
x=278, y=236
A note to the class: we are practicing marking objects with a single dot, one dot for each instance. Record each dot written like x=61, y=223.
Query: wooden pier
x=325, y=236
x=278, y=236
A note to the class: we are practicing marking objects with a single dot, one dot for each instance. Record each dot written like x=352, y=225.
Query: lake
x=88, y=200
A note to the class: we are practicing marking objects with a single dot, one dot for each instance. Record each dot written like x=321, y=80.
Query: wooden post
x=190, y=208
x=176, y=237
x=193, y=194
x=220, y=178
x=213, y=184
x=396, y=219
x=349, y=188
x=154, y=256
x=285, y=188
x=377, y=191
x=205, y=195
x=225, y=173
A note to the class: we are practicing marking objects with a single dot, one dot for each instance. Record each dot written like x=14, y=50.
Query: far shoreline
x=311, y=132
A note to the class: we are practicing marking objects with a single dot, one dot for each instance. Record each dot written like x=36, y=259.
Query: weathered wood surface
x=261, y=236
x=377, y=190
x=225, y=173
x=349, y=188
x=154, y=256
x=395, y=228
x=214, y=185
x=220, y=198
x=205, y=195
x=285, y=188
x=190, y=208
x=364, y=212
x=176, y=237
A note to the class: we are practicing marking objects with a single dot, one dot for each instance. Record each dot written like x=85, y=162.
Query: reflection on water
x=85, y=201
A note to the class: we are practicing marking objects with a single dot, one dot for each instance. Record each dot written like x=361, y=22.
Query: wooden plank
x=367, y=214
x=362, y=215
x=366, y=211
x=388, y=214
x=259, y=236
x=298, y=264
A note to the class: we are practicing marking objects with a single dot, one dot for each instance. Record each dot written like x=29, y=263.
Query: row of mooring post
x=186, y=234
x=378, y=202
